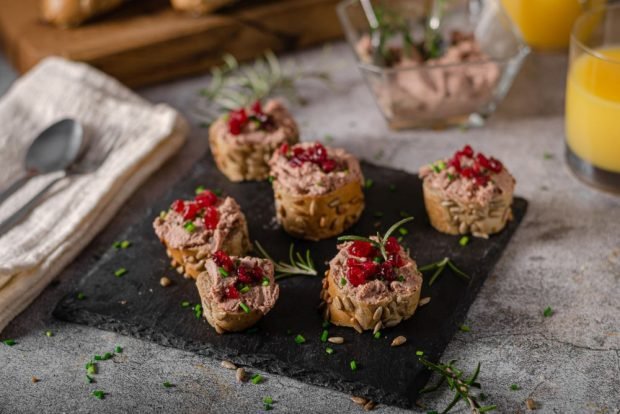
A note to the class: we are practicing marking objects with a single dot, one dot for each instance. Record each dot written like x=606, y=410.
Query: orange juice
x=546, y=24
x=593, y=108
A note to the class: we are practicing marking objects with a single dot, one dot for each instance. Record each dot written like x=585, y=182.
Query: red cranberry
x=328, y=165
x=284, y=149
x=206, y=199
x=244, y=275
x=467, y=151
x=362, y=249
x=237, y=120
x=396, y=260
x=223, y=260
x=231, y=292
x=481, y=180
x=386, y=271
x=211, y=218
x=483, y=161
x=467, y=172
x=178, y=206
x=495, y=165
x=359, y=272
x=191, y=210
x=257, y=108
x=392, y=246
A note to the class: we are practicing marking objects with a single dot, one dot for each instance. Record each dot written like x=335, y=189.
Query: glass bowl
x=440, y=94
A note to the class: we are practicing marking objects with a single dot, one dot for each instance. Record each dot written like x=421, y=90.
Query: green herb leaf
x=299, y=264
x=120, y=272
x=223, y=272
x=419, y=353
x=100, y=395
x=299, y=339
x=185, y=304
x=464, y=328
x=245, y=307
x=377, y=335
x=80, y=296
x=329, y=350
x=343, y=281
x=245, y=289
x=9, y=342
x=463, y=241
x=515, y=387
x=548, y=312
x=168, y=384
x=199, y=190
x=198, y=311
x=268, y=400
x=125, y=244
x=189, y=226
x=256, y=379
x=353, y=365
x=89, y=379
x=368, y=183
x=324, y=335
x=403, y=231
x=91, y=368
x=265, y=282
x=118, y=349
x=49, y=334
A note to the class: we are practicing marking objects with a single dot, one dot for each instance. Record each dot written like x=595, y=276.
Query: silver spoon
x=54, y=149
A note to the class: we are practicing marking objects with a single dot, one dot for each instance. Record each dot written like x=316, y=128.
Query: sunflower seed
x=337, y=303
x=336, y=339
x=240, y=375
x=228, y=365
x=165, y=282
x=424, y=301
x=369, y=406
x=356, y=325
x=377, y=315
x=399, y=340
x=378, y=327
x=359, y=400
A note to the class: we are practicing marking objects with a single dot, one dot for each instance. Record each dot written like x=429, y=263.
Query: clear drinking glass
x=593, y=99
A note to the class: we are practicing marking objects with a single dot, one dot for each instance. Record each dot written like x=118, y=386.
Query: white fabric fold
x=137, y=137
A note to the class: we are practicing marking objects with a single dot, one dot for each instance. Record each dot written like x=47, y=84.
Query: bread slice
x=322, y=216
x=199, y=7
x=226, y=314
x=69, y=13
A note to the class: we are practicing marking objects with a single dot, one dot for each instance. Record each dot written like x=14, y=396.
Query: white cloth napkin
x=141, y=137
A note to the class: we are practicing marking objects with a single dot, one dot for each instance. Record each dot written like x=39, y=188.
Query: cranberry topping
x=373, y=267
x=246, y=276
x=202, y=206
x=206, y=199
x=178, y=206
x=478, y=166
x=240, y=118
x=211, y=218
x=316, y=154
x=191, y=211
x=231, y=292
x=223, y=260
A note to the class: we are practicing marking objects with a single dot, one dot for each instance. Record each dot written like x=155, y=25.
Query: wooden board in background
x=146, y=42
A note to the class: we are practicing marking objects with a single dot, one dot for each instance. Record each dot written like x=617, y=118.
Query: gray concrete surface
x=565, y=255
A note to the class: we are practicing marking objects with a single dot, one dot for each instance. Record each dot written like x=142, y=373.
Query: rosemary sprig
x=391, y=25
x=439, y=267
x=458, y=383
x=379, y=243
x=233, y=86
x=299, y=265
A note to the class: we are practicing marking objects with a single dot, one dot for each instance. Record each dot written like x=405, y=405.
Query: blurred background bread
x=68, y=13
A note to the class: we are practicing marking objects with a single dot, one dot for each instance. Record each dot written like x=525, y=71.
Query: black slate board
x=136, y=305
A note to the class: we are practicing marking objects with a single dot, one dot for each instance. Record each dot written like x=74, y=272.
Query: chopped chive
x=223, y=272
x=324, y=335
x=117, y=245
x=189, y=226
x=49, y=334
x=403, y=231
x=377, y=335
x=419, y=353
x=369, y=182
x=256, y=379
x=80, y=296
x=217, y=191
x=450, y=176
x=299, y=339
x=463, y=241
x=198, y=311
x=185, y=304
x=401, y=278
x=378, y=214
x=9, y=342
x=329, y=350
x=125, y=244
x=100, y=395
x=91, y=367
x=399, y=239
x=441, y=164
x=89, y=379
x=97, y=358
x=245, y=307
x=548, y=312
x=464, y=328
x=265, y=282
x=547, y=156
x=435, y=168
x=271, y=178
x=168, y=384
x=343, y=281
x=118, y=349
x=199, y=189
x=245, y=289
x=376, y=259
x=107, y=356
x=353, y=365
x=328, y=138
x=404, y=214
x=392, y=187
x=515, y=387
x=268, y=400
x=162, y=214
x=120, y=272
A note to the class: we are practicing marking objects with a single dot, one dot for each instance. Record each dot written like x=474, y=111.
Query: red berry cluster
x=316, y=154
x=479, y=170
x=239, y=118
x=246, y=276
x=374, y=267
x=203, y=205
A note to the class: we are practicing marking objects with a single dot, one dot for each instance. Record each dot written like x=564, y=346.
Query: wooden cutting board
x=146, y=41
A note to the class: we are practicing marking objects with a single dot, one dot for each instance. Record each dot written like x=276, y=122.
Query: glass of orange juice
x=593, y=99
x=546, y=24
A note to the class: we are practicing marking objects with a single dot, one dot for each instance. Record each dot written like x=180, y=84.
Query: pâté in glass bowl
x=457, y=79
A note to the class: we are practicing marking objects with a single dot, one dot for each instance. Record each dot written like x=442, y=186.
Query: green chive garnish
x=91, y=367
x=450, y=177
x=353, y=365
x=97, y=358
x=120, y=272
x=403, y=231
x=49, y=334
x=265, y=282
x=107, y=356
x=515, y=387
x=223, y=272
x=368, y=183
x=80, y=296
x=9, y=342
x=299, y=339
x=343, y=281
x=419, y=353
x=464, y=328
x=245, y=289
x=245, y=307
x=189, y=226
x=377, y=335
x=217, y=191
x=125, y=244
x=324, y=335
x=118, y=349
x=463, y=241
x=268, y=400
x=404, y=214
x=377, y=259
x=256, y=379
x=168, y=384
x=89, y=379
x=199, y=189
x=198, y=311
x=271, y=178
x=547, y=156
x=547, y=312
x=185, y=304
x=117, y=245
x=401, y=278
x=329, y=350
x=99, y=394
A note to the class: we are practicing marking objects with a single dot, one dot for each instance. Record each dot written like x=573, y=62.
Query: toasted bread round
x=68, y=13
x=199, y=7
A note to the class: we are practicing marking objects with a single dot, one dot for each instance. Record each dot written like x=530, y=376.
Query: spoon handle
x=16, y=185
x=16, y=217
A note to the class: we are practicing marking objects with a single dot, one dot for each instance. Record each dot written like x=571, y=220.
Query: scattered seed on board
x=359, y=400
x=336, y=339
x=35, y=380
x=424, y=301
x=228, y=365
x=240, y=374
x=399, y=340
x=530, y=404
x=165, y=282
x=369, y=406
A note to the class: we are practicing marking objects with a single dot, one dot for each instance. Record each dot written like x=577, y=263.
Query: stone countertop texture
x=566, y=255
